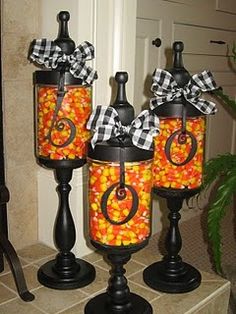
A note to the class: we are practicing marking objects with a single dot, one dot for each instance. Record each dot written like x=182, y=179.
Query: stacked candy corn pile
x=75, y=109
x=169, y=175
x=137, y=229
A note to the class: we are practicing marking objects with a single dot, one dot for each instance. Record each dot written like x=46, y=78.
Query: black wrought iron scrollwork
x=120, y=191
x=182, y=137
x=134, y=206
x=59, y=125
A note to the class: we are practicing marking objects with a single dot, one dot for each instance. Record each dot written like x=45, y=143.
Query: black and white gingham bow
x=105, y=123
x=166, y=89
x=46, y=52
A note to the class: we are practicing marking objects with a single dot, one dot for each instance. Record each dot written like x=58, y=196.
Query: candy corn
x=75, y=110
x=165, y=173
x=137, y=229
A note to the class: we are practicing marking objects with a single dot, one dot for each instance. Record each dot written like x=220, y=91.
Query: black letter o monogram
x=191, y=153
x=133, y=209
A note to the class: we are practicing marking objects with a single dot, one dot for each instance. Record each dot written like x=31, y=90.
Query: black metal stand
x=172, y=275
x=118, y=299
x=8, y=250
x=65, y=271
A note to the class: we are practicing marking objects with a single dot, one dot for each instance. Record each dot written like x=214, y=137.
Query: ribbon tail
x=84, y=51
x=205, y=106
x=143, y=129
x=45, y=52
x=83, y=72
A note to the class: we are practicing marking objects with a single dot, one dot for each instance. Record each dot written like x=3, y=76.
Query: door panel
x=147, y=59
x=197, y=39
x=226, y=6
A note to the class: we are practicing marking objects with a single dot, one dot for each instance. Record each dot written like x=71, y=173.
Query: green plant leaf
x=216, y=167
x=225, y=98
x=217, y=211
x=234, y=52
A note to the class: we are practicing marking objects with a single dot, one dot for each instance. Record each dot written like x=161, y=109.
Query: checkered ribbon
x=166, y=89
x=46, y=52
x=106, y=124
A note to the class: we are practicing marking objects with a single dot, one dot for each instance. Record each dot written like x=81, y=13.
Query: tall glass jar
x=119, y=222
x=178, y=164
x=61, y=132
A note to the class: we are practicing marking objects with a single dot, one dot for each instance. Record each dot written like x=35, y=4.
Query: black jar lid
x=181, y=75
x=111, y=149
x=51, y=77
x=107, y=152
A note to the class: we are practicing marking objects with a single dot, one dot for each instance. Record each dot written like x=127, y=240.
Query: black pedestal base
x=186, y=279
x=48, y=277
x=99, y=304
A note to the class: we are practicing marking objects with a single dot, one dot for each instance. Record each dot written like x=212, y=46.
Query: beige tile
x=93, y=257
x=15, y=22
x=30, y=273
x=16, y=65
x=146, y=293
x=131, y=267
x=184, y=302
x=138, y=278
x=6, y=294
x=20, y=165
x=147, y=256
x=42, y=261
x=218, y=305
x=211, y=277
x=53, y=301
x=78, y=308
x=19, y=307
x=19, y=128
x=36, y=252
x=100, y=282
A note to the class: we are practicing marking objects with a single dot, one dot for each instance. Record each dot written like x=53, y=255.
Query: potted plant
x=222, y=170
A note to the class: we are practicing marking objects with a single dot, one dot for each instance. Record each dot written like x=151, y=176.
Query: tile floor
x=51, y=301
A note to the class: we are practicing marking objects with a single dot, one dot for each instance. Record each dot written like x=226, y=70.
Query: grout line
x=96, y=261
x=208, y=299
x=84, y=292
x=12, y=290
x=72, y=305
x=133, y=274
x=14, y=298
x=8, y=301
x=101, y=267
x=156, y=298
x=37, y=260
x=144, y=287
x=39, y=308
x=138, y=262
x=89, y=296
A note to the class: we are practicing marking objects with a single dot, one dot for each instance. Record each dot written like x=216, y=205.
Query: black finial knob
x=63, y=39
x=121, y=104
x=121, y=77
x=178, y=71
x=178, y=48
